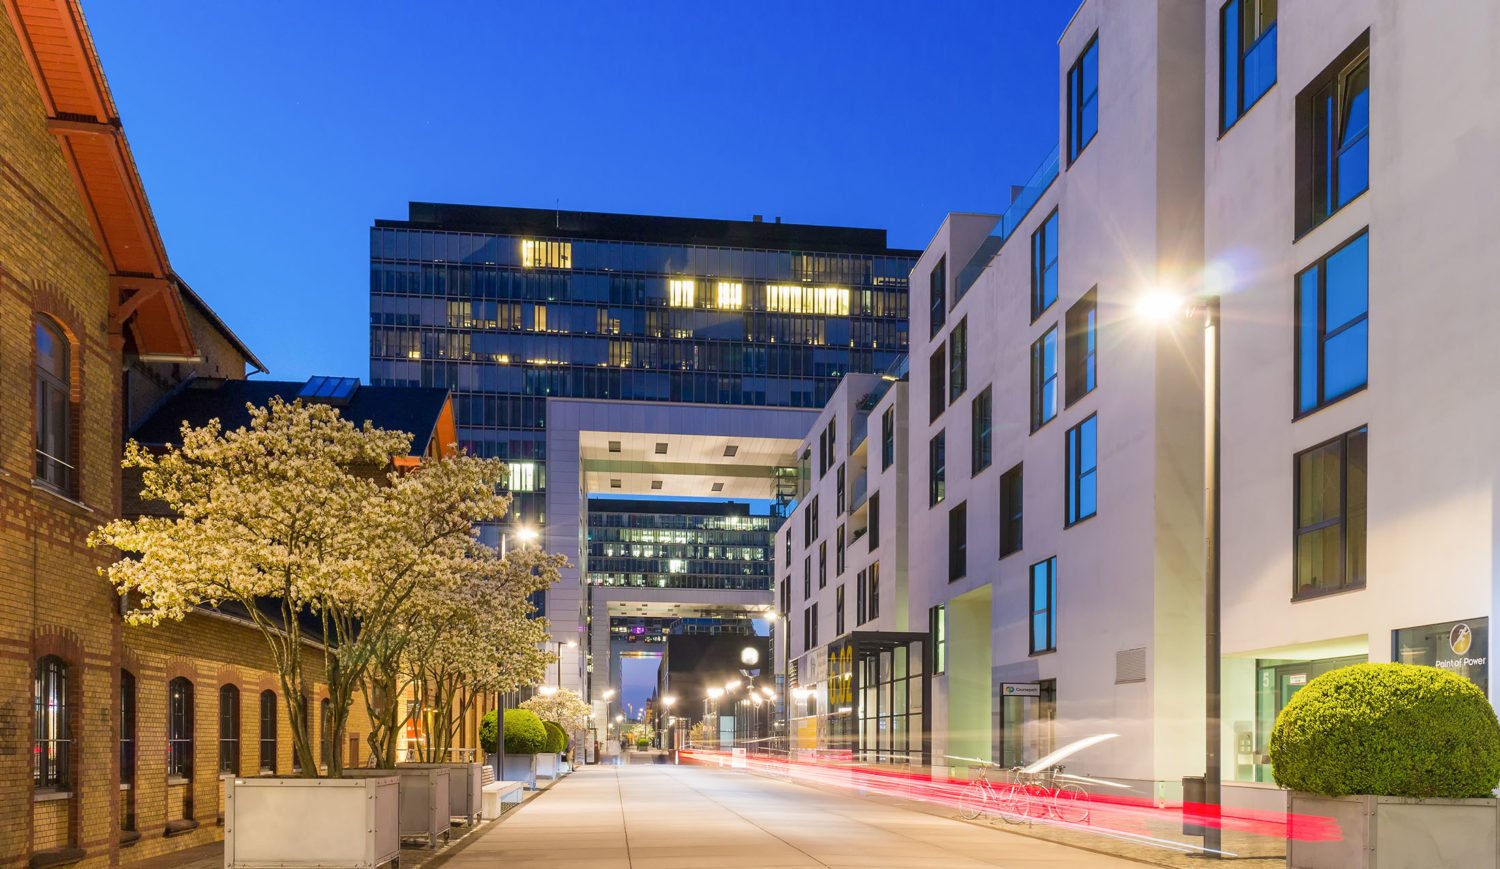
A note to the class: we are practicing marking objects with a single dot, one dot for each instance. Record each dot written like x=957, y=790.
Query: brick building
x=113, y=739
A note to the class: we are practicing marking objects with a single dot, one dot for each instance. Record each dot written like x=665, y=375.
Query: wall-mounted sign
x=1297, y=679
x=1020, y=689
x=1458, y=647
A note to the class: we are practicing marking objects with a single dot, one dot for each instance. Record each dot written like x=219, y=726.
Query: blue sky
x=271, y=134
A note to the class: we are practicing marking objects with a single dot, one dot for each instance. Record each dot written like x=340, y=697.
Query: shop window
x=50, y=767
x=180, y=729
x=229, y=730
x=1331, y=515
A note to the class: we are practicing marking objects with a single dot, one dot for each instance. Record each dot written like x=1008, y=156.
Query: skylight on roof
x=329, y=389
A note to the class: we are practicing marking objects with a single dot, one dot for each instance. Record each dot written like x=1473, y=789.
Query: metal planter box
x=424, y=800
x=1369, y=832
x=464, y=783
x=549, y=765
x=520, y=767
x=303, y=823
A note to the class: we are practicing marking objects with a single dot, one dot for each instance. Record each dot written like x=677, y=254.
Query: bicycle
x=1024, y=796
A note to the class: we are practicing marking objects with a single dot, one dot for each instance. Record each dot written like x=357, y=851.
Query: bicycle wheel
x=1070, y=804
x=974, y=800
x=1012, y=804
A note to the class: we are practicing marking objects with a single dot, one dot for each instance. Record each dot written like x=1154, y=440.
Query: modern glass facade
x=679, y=544
x=510, y=306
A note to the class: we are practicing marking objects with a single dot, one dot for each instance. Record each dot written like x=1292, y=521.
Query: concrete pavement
x=667, y=817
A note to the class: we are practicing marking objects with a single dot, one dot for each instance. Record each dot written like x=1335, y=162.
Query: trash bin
x=1192, y=805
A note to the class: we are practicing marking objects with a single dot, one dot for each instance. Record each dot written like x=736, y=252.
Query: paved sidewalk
x=665, y=817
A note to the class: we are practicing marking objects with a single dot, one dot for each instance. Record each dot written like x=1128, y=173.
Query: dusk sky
x=271, y=134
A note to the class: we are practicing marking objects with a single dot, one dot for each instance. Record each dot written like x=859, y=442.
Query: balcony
x=1020, y=206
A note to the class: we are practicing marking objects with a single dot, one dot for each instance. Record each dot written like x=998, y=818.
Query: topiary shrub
x=489, y=732
x=524, y=733
x=1396, y=730
x=557, y=740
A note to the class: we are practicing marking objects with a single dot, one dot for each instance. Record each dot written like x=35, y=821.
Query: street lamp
x=524, y=534
x=1159, y=306
x=666, y=701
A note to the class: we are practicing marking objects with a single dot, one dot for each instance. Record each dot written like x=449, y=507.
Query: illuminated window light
x=522, y=476
x=731, y=296
x=798, y=299
x=681, y=293
x=546, y=254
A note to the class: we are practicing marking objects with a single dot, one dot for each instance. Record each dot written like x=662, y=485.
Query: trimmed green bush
x=557, y=740
x=1395, y=730
x=642, y=744
x=489, y=732
x=524, y=733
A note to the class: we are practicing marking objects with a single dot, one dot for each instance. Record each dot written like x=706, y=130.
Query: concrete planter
x=1369, y=832
x=548, y=765
x=464, y=783
x=424, y=800
x=520, y=767
x=302, y=822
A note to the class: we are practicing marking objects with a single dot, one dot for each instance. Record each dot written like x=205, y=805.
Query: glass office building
x=510, y=306
x=679, y=544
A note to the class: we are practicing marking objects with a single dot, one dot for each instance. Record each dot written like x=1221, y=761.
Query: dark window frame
x=937, y=296
x=1048, y=607
x=1074, y=473
x=128, y=727
x=872, y=576
x=1342, y=520
x=838, y=610
x=937, y=637
x=937, y=383
x=1234, y=58
x=52, y=745
x=839, y=560
x=1319, y=137
x=1040, y=380
x=982, y=431
x=822, y=564
x=54, y=426
x=1322, y=336
x=229, y=729
x=180, y=729
x=1012, y=510
x=872, y=528
x=1081, y=348
x=1045, y=257
x=268, y=735
x=888, y=437
x=937, y=469
x=958, y=360
x=1078, y=101
x=958, y=541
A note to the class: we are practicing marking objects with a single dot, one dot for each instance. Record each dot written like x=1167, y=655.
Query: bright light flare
x=547, y=690
x=1159, y=306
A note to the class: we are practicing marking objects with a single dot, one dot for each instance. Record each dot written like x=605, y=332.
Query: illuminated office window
x=546, y=254
x=731, y=296
x=522, y=476
x=681, y=293
x=795, y=299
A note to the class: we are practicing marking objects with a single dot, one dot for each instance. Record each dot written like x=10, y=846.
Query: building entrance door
x=1277, y=683
x=1028, y=724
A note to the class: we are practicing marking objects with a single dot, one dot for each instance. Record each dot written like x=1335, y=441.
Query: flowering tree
x=298, y=520
x=564, y=707
x=460, y=641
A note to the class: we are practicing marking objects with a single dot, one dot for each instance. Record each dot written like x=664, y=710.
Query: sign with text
x=1458, y=647
x=1020, y=689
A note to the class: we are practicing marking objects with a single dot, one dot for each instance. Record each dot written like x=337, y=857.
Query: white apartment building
x=1323, y=170
x=853, y=655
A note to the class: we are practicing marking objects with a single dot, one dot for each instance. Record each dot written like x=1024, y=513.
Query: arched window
x=180, y=728
x=268, y=731
x=50, y=766
x=229, y=730
x=54, y=418
x=325, y=731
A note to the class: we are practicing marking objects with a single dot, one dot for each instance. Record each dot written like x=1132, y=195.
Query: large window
x=1333, y=136
x=49, y=770
x=180, y=728
x=1010, y=512
x=229, y=730
x=1082, y=470
x=936, y=377
x=937, y=473
x=1044, y=379
x=1044, y=606
x=1247, y=56
x=1044, y=266
x=1331, y=515
x=887, y=437
x=1083, y=99
x=937, y=632
x=268, y=731
x=1082, y=324
x=54, y=438
x=127, y=727
x=1333, y=332
x=958, y=360
x=981, y=422
x=937, y=287
x=958, y=542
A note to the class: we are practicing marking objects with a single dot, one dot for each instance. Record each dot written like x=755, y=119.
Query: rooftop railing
x=1020, y=206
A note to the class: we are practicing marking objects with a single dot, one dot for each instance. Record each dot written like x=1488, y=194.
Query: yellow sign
x=840, y=677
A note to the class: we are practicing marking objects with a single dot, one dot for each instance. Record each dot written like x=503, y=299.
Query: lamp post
x=666, y=703
x=1158, y=307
